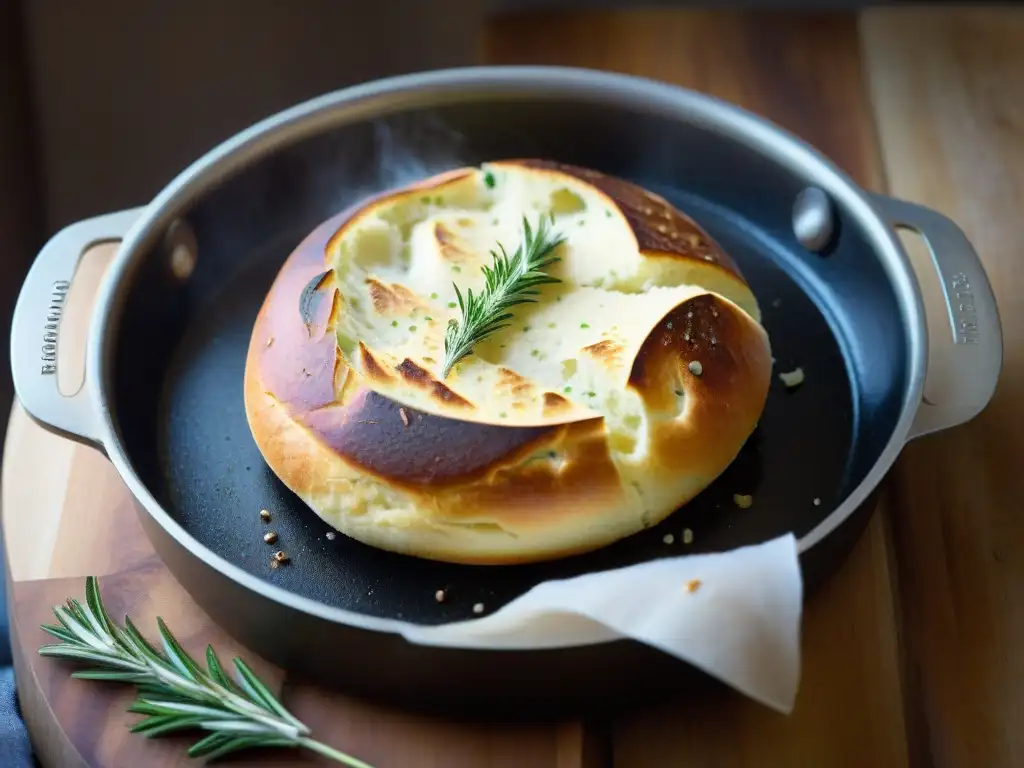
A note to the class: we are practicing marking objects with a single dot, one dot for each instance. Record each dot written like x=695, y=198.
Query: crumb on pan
x=687, y=536
x=281, y=557
x=330, y=535
x=478, y=608
x=403, y=416
x=270, y=537
x=439, y=595
x=264, y=516
x=743, y=501
x=792, y=378
x=817, y=501
x=693, y=585
x=668, y=538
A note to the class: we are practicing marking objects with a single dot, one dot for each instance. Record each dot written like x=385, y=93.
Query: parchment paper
x=735, y=614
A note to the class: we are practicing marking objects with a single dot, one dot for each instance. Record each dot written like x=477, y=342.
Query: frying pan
x=170, y=328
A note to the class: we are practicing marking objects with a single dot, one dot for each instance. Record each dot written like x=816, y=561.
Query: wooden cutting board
x=911, y=652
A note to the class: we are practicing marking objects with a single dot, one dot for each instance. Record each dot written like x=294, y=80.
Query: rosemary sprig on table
x=175, y=693
x=511, y=280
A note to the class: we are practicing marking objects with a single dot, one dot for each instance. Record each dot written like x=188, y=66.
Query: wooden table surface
x=914, y=651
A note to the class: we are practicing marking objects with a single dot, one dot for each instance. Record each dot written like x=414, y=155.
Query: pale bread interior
x=578, y=341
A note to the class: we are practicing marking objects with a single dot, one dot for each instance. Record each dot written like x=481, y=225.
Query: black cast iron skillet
x=175, y=372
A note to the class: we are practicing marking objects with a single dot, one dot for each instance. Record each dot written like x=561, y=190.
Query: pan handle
x=35, y=329
x=973, y=351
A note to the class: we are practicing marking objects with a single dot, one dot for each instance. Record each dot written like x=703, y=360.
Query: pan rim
x=446, y=86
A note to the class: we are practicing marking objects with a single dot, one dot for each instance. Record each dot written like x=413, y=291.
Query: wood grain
x=803, y=71
x=800, y=70
x=948, y=92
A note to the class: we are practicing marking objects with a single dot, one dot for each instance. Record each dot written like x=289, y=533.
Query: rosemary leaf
x=83, y=654
x=232, y=726
x=177, y=654
x=175, y=692
x=110, y=676
x=259, y=691
x=143, y=649
x=217, y=671
x=92, y=599
x=509, y=281
x=178, y=708
x=158, y=725
x=145, y=707
x=60, y=634
x=209, y=743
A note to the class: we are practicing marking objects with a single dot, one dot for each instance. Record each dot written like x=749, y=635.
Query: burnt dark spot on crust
x=448, y=243
x=407, y=297
x=702, y=330
x=443, y=234
x=657, y=224
x=508, y=376
x=517, y=384
x=379, y=295
x=554, y=402
x=371, y=367
x=335, y=313
x=413, y=374
x=441, y=393
x=389, y=299
x=605, y=349
x=431, y=450
x=340, y=372
x=420, y=377
x=309, y=296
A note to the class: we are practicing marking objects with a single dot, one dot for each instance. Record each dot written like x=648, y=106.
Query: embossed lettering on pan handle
x=35, y=330
x=975, y=341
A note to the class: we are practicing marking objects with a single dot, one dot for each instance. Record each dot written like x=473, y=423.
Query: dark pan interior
x=181, y=351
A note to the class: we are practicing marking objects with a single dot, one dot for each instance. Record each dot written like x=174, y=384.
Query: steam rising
x=269, y=206
x=393, y=152
x=409, y=148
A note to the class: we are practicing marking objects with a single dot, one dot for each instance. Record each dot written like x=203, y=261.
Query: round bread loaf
x=614, y=399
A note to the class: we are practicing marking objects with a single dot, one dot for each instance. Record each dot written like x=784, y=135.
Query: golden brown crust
x=720, y=369
x=659, y=227
x=298, y=371
x=451, y=488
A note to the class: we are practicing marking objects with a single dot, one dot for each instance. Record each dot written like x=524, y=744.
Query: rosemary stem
x=174, y=692
x=333, y=754
x=508, y=281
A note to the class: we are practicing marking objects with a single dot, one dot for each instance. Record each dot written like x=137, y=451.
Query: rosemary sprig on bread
x=511, y=280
